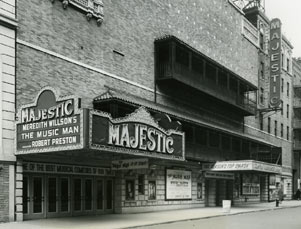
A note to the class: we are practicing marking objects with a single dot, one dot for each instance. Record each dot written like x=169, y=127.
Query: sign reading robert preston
x=49, y=124
x=135, y=134
x=275, y=62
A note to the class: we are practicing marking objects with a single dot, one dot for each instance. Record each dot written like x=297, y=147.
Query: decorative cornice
x=92, y=8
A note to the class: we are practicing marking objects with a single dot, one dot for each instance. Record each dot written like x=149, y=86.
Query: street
x=289, y=218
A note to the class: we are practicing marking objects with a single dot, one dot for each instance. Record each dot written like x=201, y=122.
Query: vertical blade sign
x=275, y=62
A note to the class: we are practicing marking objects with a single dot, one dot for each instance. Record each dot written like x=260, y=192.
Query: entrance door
x=109, y=196
x=33, y=197
x=77, y=196
x=263, y=196
x=64, y=196
x=88, y=193
x=52, y=196
x=104, y=201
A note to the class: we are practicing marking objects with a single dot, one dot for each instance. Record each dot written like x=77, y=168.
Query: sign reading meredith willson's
x=49, y=124
x=135, y=134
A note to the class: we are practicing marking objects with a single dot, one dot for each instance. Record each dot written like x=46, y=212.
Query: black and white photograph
x=151, y=114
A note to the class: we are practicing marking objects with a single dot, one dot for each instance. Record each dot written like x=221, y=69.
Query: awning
x=242, y=165
x=173, y=112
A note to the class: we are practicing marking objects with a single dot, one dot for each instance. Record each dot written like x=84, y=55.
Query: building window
x=287, y=110
x=201, y=136
x=275, y=128
x=214, y=139
x=269, y=125
x=141, y=184
x=287, y=133
x=281, y=107
x=261, y=95
x=262, y=70
x=281, y=130
x=282, y=60
x=189, y=132
x=287, y=89
x=288, y=64
x=152, y=190
x=261, y=40
x=199, y=191
x=250, y=184
x=261, y=121
x=282, y=83
x=130, y=189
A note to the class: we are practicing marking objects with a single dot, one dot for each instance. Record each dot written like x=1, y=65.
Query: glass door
x=33, y=197
x=77, y=195
x=88, y=194
x=109, y=196
x=52, y=196
x=99, y=193
x=65, y=197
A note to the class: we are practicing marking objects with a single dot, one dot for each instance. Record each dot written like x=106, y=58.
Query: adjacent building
x=8, y=26
x=296, y=122
x=137, y=106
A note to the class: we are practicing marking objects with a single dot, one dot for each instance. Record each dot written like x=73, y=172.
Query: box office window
x=130, y=189
x=141, y=184
x=152, y=190
x=250, y=184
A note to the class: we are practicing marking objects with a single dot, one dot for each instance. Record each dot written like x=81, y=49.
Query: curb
x=208, y=217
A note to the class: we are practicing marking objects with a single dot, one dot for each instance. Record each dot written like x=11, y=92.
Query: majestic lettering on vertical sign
x=49, y=124
x=275, y=62
x=137, y=134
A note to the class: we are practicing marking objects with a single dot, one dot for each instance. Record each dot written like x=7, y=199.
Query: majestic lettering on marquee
x=137, y=133
x=49, y=124
x=275, y=62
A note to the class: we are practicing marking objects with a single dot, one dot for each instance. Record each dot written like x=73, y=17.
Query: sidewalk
x=115, y=221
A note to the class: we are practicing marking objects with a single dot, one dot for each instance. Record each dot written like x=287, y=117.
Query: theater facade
x=77, y=161
x=124, y=107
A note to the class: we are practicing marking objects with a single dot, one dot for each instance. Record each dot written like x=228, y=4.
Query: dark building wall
x=4, y=192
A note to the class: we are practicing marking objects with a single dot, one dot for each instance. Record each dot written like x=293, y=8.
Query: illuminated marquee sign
x=136, y=134
x=275, y=62
x=49, y=124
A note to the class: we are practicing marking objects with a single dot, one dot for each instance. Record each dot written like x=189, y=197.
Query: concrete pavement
x=114, y=221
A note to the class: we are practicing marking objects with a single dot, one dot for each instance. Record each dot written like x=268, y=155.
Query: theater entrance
x=46, y=196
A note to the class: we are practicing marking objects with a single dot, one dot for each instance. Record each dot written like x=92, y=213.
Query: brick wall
x=129, y=27
x=4, y=192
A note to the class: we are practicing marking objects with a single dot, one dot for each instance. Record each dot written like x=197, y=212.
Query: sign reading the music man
x=135, y=134
x=275, y=62
x=51, y=123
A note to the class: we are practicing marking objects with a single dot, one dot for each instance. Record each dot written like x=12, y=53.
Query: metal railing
x=208, y=85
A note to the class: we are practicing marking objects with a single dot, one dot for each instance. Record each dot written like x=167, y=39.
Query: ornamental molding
x=92, y=8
